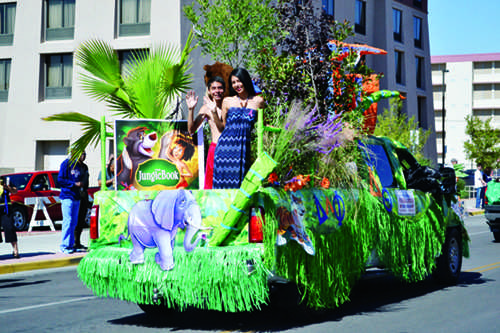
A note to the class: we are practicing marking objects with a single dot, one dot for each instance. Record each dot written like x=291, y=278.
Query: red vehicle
x=30, y=185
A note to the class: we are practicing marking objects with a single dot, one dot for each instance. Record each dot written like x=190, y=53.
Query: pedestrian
x=110, y=174
x=6, y=220
x=487, y=177
x=84, y=204
x=69, y=179
x=478, y=184
x=211, y=112
x=239, y=113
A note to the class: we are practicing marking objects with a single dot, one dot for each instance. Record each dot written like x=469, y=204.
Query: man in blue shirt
x=69, y=178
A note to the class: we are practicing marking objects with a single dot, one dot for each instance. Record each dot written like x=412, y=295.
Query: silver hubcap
x=18, y=219
x=453, y=253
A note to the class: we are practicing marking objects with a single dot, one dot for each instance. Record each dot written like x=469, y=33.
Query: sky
x=464, y=26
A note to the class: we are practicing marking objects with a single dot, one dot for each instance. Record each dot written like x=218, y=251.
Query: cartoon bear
x=138, y=150
x=218, y=69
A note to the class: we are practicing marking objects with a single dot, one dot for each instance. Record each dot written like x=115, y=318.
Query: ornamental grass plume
x=306, y=141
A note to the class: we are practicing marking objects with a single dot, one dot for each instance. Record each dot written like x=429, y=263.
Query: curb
x=40, y=264
x=476, y=212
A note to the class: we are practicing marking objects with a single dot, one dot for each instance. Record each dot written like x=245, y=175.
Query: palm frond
x=144, y=80
x=175, y=79
x=98, y=90
x=97, y=57
x=91, y=129
x=104, y=81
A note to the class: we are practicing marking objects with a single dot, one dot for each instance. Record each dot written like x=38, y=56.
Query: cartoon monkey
x=138, y=150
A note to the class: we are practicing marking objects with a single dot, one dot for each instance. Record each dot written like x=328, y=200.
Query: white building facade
x=471, y=86
x=39, y=75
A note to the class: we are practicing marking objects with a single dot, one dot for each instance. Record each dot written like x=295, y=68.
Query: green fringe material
x=408, y=247
x=208, y=278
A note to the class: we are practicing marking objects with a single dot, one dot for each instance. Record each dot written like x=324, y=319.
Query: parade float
x=319, y=207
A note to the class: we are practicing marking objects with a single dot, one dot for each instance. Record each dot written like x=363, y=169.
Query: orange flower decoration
x=325, y=183
x=273, y=178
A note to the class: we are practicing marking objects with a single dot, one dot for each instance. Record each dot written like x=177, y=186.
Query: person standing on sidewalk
x=478, y=184
x=69, y=178
x=6, y=220
x=84, y=204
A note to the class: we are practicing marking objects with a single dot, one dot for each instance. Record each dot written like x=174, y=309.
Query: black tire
x=156, y=310
x=449, y=263
x=19, y=217
x=496, y=236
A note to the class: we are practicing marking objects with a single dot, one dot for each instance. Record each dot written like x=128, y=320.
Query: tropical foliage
x=234, y=31
x=483, y=144
x=394, y=124
x=312, y=92
x=147, y=87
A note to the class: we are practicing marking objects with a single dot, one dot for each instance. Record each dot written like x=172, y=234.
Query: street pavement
x=39, y=249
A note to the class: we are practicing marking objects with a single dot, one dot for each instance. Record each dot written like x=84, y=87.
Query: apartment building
x=464, y=85
x=401, y=28
x=39, y=76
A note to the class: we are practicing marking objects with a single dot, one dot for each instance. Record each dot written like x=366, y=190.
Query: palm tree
x=147, y=88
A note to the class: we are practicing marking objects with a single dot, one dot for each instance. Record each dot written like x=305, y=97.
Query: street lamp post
x=443, y=116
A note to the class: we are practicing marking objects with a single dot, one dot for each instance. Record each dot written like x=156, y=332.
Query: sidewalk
x=39, y=249
x=470, y=207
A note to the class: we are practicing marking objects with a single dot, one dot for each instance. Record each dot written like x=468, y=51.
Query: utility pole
x=443, y=112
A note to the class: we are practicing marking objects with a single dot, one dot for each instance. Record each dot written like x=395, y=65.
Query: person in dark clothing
x=84, y=204
x=69, y=179
x=7, y=223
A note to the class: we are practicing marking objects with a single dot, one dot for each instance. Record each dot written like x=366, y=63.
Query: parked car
x=41, y=184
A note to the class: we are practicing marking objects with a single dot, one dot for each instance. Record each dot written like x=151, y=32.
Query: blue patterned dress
x=232, y=154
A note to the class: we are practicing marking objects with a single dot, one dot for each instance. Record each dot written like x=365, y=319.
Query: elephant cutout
x=154, y=223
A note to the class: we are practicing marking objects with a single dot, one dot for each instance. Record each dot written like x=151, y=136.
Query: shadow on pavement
x=11, y=283
x=382, y=294
x=26, y=255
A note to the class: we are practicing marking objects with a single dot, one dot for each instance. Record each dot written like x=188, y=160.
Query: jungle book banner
x=157, y=155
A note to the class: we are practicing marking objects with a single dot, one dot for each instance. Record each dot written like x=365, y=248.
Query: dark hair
x=188, y=148
x=111, y=161
x=216, y=79
x=243, y=75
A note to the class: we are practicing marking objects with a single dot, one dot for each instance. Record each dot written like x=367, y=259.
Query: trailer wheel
x=449, y=263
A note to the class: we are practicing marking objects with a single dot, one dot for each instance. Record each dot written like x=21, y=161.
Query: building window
x=419, y=71
x=398, y=61
x=4, y=79
x=7, y=23
x=437, y=94
x=328, y=7
x=417, y=31
x=360, y=17
x=486, y=68
x=59, y=19
x=438, y=68
x=485, y=114
x=397, y=24
x=134, y=17
x=486, y=91
x=50, y=155
x=417, y=3
x=421, y=108
x=127, y=56
x=58, y=76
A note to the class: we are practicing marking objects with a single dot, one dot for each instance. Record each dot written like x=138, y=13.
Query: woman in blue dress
x=239, y=112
